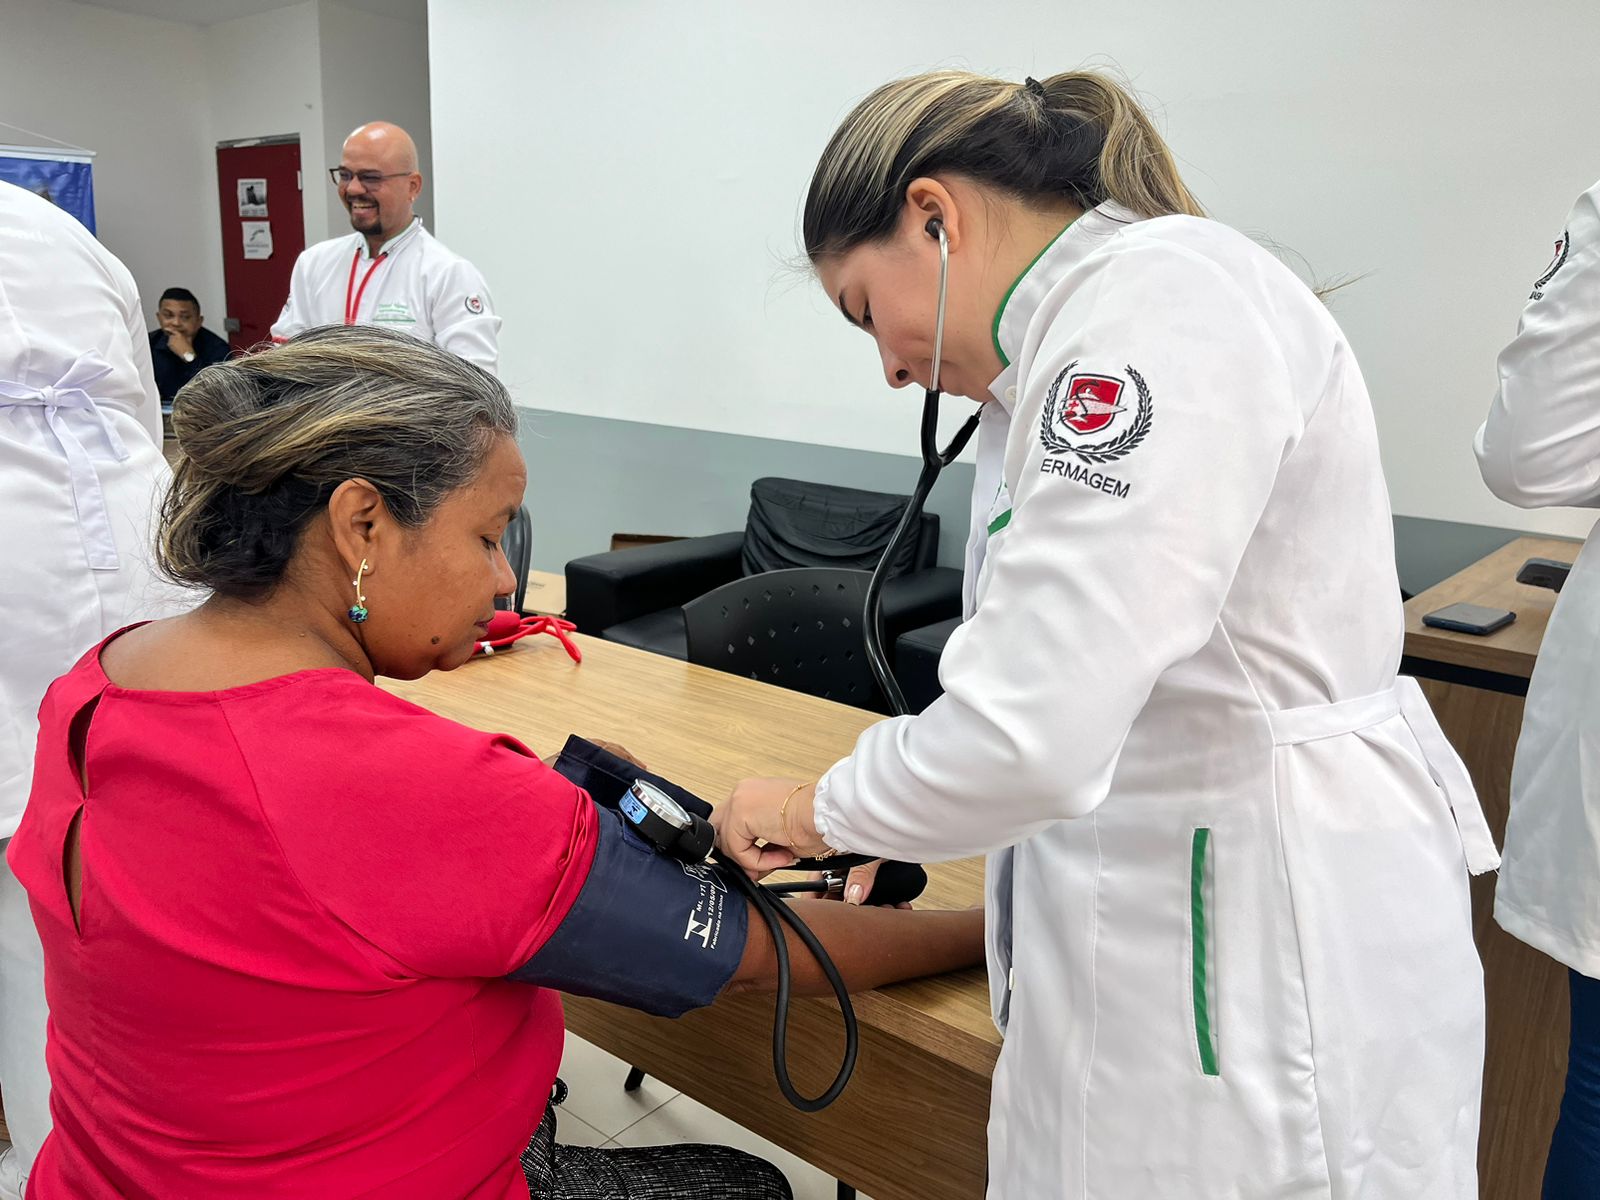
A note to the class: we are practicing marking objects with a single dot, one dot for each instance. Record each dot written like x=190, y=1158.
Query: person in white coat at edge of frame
x=1230, y=936
x=1540, y=448
x=81, y=475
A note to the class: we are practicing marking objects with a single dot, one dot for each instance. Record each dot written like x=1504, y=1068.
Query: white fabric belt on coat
x=71, y=393
x=1293, y=726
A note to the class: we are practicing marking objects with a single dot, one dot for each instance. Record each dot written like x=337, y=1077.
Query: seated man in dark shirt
x=182, y=345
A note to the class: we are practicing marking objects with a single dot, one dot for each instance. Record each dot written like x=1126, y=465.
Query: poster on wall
x=252, y=197
x=66, y=180
x=257, y=239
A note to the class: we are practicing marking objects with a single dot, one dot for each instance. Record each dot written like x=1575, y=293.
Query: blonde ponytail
x=1078, y=137
x=1137, y=169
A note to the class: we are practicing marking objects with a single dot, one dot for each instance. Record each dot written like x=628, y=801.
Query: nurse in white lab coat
x=1230, y=937
x=81, y=474
x=1540, y=448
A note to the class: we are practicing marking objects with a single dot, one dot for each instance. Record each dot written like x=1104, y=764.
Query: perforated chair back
x=798, y=629
x=518, y=546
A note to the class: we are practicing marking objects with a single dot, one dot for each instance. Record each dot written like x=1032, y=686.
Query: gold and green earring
x=358, y=610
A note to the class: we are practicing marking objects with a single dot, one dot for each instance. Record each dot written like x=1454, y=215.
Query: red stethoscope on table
x=508, y=628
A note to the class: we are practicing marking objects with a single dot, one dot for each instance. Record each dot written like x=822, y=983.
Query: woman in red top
x=278, y=904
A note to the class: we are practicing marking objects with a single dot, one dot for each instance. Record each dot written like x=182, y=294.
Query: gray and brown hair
x=1078, y=137
x=263, y=441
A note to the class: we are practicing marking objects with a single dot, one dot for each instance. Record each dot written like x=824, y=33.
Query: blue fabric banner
x=66, y=183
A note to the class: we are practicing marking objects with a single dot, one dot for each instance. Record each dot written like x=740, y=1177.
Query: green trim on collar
x=416, y=224
x=1001, y=311
x=1000, y=522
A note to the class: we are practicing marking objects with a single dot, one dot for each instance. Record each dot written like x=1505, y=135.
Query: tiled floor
x=599, y=1113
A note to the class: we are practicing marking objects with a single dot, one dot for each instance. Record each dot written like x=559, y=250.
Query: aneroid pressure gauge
x=666, y=824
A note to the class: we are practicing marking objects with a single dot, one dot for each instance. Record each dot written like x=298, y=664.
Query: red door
x=263, y=232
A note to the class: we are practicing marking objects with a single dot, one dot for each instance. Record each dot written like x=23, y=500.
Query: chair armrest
x=916, y=662
x=920, y=598
x=606, y=589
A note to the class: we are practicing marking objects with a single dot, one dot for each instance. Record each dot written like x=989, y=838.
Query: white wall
x=132, y=89
x=264, y=78
x=629, y=178
x=374, y=68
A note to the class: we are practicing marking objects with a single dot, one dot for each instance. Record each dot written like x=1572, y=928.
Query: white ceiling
x=213, y=12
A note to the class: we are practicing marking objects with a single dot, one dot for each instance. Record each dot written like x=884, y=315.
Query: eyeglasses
x=369, y=179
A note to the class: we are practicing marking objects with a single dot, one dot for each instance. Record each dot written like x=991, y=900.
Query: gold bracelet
x=783, y=819
x=783, y=812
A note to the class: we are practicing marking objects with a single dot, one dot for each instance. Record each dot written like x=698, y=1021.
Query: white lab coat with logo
x=419, y=287
x=1540, y=448
x=1230, y=936
x=81, y=475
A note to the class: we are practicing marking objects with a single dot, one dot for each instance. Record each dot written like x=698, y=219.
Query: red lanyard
x=352, y=308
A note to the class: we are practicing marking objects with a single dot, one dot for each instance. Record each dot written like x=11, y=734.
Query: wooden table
x=1503, y=660
x=546, y=594
x=911, y=1125
x=1476, y=686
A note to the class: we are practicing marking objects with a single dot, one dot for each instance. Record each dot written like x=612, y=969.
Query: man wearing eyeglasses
x=391, y=271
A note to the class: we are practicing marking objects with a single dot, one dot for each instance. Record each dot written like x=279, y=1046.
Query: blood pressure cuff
x=605, y=776
x=646, y=930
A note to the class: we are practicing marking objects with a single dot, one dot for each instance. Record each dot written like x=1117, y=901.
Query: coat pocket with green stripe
x=1202, y=951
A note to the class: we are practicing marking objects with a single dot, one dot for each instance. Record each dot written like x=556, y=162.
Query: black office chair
x=635, y=596
x=518, y=545
x=800, y=629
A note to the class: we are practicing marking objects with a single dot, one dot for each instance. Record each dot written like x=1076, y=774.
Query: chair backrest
x=799, y=629
x=793, y=523
x=518, y=545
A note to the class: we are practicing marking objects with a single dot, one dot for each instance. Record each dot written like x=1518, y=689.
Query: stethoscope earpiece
x=935, y=228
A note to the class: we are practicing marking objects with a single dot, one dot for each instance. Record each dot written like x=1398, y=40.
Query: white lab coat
x=81, y=473
x=413, y=285
x=1540, y=448
x=1230, y=938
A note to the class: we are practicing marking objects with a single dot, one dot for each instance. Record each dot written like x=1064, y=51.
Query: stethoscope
x=934, y=460
x=689, y=838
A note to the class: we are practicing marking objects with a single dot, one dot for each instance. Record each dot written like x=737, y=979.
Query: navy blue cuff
x=645, y=931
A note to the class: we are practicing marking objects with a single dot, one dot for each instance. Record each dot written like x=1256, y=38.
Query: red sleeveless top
x=298, y=899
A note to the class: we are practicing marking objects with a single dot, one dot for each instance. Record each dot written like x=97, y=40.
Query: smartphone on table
x=1469, y=618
